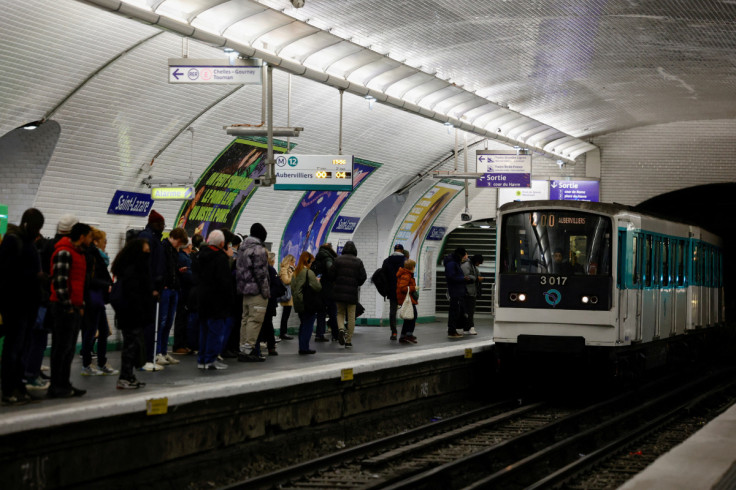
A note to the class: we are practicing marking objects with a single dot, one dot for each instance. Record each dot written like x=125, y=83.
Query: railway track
x=501, y=446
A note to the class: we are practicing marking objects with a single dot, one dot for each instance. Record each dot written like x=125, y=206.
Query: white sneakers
x=149, y=366
x=471, y=331
x=165, y=360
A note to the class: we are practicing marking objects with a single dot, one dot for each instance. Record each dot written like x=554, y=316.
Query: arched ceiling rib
x=297, y=47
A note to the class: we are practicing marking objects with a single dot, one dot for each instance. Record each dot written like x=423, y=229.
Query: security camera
x=298, y=3
x=465, y=215
x=262, y=182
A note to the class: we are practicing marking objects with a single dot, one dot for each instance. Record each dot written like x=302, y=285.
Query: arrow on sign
x=177, y=73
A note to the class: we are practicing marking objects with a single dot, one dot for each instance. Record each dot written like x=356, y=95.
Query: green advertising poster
x=3, y=219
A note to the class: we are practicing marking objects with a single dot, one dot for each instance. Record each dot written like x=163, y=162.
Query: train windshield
x=556, y=242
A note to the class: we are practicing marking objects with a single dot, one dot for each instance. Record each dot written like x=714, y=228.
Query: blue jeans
x=306, y=326
x=211, y=338
x=166, y=312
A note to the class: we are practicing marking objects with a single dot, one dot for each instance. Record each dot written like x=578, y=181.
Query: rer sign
x=574, y=190
x=237, y=71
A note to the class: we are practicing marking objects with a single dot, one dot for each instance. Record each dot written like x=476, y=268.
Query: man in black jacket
x=391, y=266
x=170, y=293
x=322, y=263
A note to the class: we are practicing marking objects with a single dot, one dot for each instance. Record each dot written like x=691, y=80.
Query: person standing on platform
x=390, y=267
x=267, y=334
x=305, y=288
x=406, y=284
x=152, y=233
x=68, y=270
x=322, y=263
x=456, y=281
x=132, y=304
x=215, y=298
x=349, y=274
x=184, y=262
x=231, y=347
x=170, y=293
x=95, y=317
x=472, y=291
x=252, y=278
x=286, y=274
x=20, y=297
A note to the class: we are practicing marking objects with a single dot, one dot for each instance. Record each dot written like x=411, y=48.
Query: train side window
x=696, y=266
x=666, y=262
x=680, y=262
x=635, y=262
x=647, y=257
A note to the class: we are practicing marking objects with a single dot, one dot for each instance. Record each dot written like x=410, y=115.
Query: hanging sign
x=217, y=71
x=436, y=233
x=314, y=173
x=575, y=190
x=502, y=169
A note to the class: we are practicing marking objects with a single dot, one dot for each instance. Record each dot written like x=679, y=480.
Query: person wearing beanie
x=253, y=283
x=456, y=280
x=391, y=266
x=153, y=233
x=65, y=223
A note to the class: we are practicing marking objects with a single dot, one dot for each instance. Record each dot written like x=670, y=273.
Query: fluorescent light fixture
x=32, y=125
x=261, y=131
x=370, y=100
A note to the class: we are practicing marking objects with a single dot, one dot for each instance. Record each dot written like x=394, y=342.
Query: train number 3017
x=552, y=280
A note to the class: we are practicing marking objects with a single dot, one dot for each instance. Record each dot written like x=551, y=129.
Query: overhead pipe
x=215, y=40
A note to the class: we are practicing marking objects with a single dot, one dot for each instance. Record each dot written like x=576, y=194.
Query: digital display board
x=314, y=173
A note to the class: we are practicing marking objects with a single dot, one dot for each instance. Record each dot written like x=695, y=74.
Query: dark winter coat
x=215, y=283
x=171, y=266
x=98, y=278
x=454, y=275
x=252, y=268
x=20, y=271
x=157, y=261
x=321, y=266
x=391, y=266
x=297, y=289
x=348, y=274
x=137, y=291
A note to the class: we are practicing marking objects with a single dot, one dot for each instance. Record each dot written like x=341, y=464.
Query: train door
x=666, y=297
x=680, y=281
x=649, y=290
x=630, y=283
x=695, y=286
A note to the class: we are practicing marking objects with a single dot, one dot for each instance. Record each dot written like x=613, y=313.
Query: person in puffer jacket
x=456, y=290
x=348, y=274
x=406, y=284
x=252, y=278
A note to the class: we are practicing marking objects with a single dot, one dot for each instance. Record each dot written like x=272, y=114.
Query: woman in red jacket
x=406, y=284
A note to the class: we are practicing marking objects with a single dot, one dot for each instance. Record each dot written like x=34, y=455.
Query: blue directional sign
x=574, y=190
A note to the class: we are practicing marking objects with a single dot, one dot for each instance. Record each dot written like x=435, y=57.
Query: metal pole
x=465, y=154
x=455, y=149
x=270, y=161
x=264, y=88
x=288, y=114
x=339, y=146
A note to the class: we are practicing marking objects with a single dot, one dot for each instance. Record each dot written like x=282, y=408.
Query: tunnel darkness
x=711, y=207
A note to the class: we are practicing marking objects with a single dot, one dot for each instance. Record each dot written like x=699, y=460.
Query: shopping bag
x=407, y=310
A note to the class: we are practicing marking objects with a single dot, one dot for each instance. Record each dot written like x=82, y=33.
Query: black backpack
x=379, y=280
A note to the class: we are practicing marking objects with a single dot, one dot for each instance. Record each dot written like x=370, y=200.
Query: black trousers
x=63, y=345
x=17, y=324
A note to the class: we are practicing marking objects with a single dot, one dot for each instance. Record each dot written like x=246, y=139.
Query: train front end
x=554, y=278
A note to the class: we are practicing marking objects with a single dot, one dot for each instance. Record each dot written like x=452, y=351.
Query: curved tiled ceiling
x=320, y=52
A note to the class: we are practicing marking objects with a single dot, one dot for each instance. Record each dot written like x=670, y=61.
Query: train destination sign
x=217, y=71
x=503, y=169
x=314, y=173
x=574, y=190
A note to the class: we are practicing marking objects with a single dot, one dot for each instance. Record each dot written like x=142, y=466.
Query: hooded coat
x=348, y=274
x=252, y=268
x=214, y=287
x=454, y=275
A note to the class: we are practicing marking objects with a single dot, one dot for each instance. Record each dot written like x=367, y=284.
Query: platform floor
x=184, y=383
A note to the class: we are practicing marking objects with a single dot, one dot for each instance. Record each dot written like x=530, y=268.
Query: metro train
x=602, y=282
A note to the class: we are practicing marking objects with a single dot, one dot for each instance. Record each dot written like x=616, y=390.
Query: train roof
x=595, y=207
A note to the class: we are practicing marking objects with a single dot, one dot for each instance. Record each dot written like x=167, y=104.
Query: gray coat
x=472, y=272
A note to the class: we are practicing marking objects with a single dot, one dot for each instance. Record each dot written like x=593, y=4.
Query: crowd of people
x=219, y=295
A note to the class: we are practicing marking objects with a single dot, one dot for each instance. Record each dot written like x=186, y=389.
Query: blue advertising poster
x=313, y=217
x=345, y=224
x=574, y=190
x=130, y=203
x=436, y=233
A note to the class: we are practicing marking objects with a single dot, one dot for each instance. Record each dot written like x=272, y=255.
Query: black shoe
x=286, y=337
x=348, y=345
x=310, y=351
x=250, y=358
x=393, y=336
x=321, y=339
x=228, y=354
x=341, y=337
x=272, y=352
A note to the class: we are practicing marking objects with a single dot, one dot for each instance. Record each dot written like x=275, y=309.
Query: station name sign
x=215, y=71
x=130, y=203
x=314, y=172
x=345, y=224
x=173, y=193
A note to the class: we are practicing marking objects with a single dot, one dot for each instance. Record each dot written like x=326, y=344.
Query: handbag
x=407, y=310
x=286, y=296
x=359, y=310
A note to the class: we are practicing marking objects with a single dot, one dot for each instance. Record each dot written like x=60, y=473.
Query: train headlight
x=522, y=297
x=589, y=299
x=585, y=300
x=514, y=297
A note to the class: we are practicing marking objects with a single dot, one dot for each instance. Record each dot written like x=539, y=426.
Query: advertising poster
x=419, y=220
x=224, y=189
x=313, y=217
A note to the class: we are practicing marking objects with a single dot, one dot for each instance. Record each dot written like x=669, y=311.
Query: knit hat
x=155, y=217
x=64, y=227
x=257, y=230
x=398, y=246
x=460, y=252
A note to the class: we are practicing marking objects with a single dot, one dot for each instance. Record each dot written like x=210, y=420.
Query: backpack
x=380, y=282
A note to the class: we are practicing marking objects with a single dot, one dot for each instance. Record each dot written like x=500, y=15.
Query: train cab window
x=556, y=242
x=680, y=263
x=665, y=262
x=647, y=258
